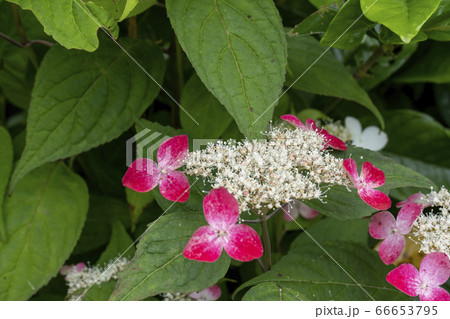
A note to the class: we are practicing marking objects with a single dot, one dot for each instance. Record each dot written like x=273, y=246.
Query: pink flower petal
x=142, y=176
x=307, y=212
x=391, y=248
x=80, y=267
x=407, y=216
x=381, y=225
x=435, y=294
x=351, y=170
x=335, y=142
x=175, y=187
x=243, y=243
x=435, y=268
x=371, y=176
x=292, y=119
x=375, y=198
x=405, y=278
x=173, y=152
x=414, y=198
x=209, y=294
x=204, y=245
x=221, y=209
x=311, y=125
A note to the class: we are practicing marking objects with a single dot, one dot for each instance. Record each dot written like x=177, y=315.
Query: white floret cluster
x=433, y=229
x=263, y=174
x=78, y=281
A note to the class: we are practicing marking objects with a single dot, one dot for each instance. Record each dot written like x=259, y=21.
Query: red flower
x=384, y=226
x=241, y=242
x=144, y=174
x=434, y=271
x=370, y=178
x=330, y=140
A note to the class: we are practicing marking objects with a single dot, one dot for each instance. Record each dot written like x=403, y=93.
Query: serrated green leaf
x=239, y=52
x=431, y=65
x=307, y=72
x=405, y=18
x=212, y=117
x=43, y=217
x=317, y=273
x=438, y=26
x=348, y=27
x=340, y=203
x=6, y=161
x=159, y=265
x=73, y=23
x=81, y=100
x=120, y=244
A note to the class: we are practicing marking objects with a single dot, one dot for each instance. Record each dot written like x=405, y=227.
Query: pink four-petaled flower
x=434, y=271
x=241, y=242
x=370, y=178
x=296, y=208
x=144, y=174
x=384, y=226
x=330, y=140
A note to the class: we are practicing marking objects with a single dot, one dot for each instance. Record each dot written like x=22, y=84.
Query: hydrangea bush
x=224, y=150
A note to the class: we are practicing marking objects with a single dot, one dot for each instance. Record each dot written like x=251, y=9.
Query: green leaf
x=6, y=161
x=137, y=202
x=389, y=37
x=405, y=18
x=312, y=70
x=121, y=9
x=430, y=143
x=100, y=292
x=212, y=117
x=330, y=229
x=342, y=204
x=438, y=26
x=386, y=66
x=313, y=273
x=73, y=23
x=239, y=52
x=272, y=291
x=321, y=3
x=81, y=100
x=317, y=22
x=432, y=65
x=348, y=27
x=120, y=245
x=159, y=265
x=97, y=230
x=43, y=217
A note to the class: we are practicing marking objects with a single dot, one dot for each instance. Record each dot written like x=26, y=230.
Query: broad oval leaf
x=405, y=18
x=73, y=23
x=335, y=271
x=159, y=265
x=348, y=27
x=313, y=70
x=81, y=100
x=239, y=52
x=43, y=217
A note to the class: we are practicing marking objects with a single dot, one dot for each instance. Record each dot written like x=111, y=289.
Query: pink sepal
x=142, y=176
x=243, y=243
x=175, y=187
x=204, y=245
x=173, y=152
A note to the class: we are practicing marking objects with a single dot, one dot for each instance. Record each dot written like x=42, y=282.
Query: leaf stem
x=24, y=41
x=266, y=242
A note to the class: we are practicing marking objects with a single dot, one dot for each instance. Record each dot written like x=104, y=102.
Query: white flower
x=371, y=137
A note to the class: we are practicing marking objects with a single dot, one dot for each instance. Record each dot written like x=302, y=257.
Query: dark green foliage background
x=71, y=97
